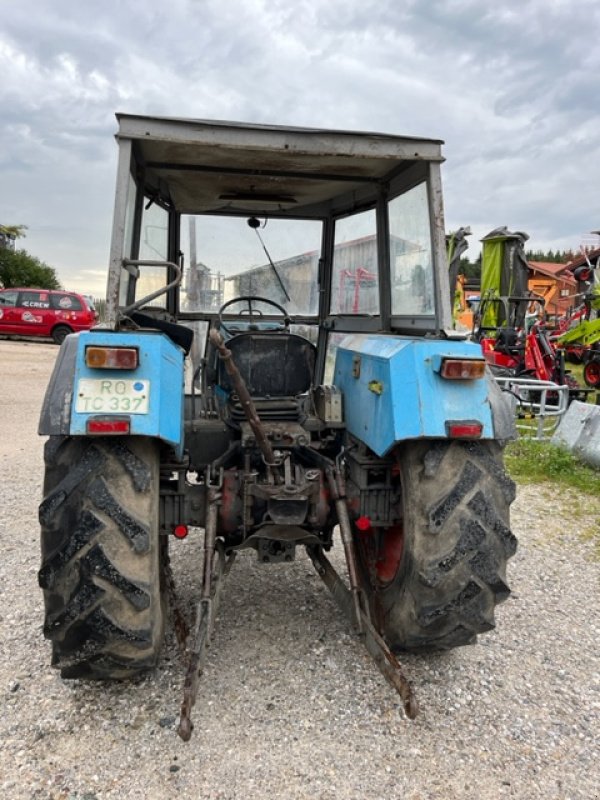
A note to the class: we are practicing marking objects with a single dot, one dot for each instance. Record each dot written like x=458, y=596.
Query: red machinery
x=515, y=342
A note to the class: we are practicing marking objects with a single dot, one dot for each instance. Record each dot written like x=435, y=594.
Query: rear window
x=8, y=298
x=65, y=302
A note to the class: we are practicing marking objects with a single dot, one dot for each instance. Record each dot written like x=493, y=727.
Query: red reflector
x=97, y=357
x=462, y=369
x=180, y=531
x=108, y=425
x=464, y=430
x=363, y=524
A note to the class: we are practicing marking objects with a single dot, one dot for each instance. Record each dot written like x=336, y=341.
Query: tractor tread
x=88, y=527
x=457, y=542
x=133, y=531
x=100, y=564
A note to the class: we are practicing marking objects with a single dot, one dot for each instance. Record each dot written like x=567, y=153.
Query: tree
x=8, y=234
x=470, y=269
x=14, y=231
x=18, y=268
x=558, y=257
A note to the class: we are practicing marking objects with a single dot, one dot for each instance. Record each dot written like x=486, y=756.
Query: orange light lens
x=97, y=357
x=462, y=369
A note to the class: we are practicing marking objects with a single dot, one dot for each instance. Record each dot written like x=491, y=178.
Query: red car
x=45, y=313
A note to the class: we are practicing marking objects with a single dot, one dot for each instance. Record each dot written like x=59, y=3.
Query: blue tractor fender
x=150, y=396
x=393, y=390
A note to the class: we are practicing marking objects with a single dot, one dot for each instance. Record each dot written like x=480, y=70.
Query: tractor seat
x=271, y=364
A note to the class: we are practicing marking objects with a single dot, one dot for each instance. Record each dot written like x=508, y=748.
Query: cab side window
x=8, y=298
x=35, y=299
x=355, y=288
x=65, y=302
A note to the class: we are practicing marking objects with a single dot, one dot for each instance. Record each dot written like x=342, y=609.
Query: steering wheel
x=251, y=312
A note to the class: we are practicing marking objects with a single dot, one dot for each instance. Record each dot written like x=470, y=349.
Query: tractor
x=277, y=370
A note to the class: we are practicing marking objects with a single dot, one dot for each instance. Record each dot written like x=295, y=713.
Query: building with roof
x=555, y=283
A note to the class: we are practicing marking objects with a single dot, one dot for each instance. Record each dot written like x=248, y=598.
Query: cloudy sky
x=512, y=87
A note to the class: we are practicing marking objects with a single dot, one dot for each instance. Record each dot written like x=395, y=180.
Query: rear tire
x=591, y=373
x=456, y=542
x=60, y=333
x=104, y=609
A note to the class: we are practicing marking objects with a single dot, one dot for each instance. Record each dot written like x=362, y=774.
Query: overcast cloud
x=512, y=87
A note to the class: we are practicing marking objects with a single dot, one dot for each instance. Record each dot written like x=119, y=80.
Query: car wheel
x=60, y=333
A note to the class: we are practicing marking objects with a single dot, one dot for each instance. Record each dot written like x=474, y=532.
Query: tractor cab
x=329, y=232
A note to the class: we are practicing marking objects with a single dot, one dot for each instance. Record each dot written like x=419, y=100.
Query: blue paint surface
x=415, y=401
x=160, y=363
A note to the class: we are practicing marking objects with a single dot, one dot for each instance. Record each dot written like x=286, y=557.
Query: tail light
x=464, y=429
x=462, y=369
x=98, y=357
x=108, y=426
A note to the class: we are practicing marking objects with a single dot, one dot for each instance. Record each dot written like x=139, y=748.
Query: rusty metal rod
x=337, y=492
x=204, y=619
x=247, y=404
x=210, y=540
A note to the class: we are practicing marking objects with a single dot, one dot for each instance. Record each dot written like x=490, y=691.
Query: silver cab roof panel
x=233, y=167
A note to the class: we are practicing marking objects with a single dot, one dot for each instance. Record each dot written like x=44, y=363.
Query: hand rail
x=127, y=262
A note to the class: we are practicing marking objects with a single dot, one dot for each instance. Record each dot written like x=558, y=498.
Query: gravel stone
x=290, y=704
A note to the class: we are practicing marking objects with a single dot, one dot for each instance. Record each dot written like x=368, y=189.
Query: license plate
x=112, y=396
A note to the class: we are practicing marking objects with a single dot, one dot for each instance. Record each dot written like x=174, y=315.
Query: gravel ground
x=290, y=705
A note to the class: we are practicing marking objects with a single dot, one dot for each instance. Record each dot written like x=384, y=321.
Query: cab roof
x=202, y=166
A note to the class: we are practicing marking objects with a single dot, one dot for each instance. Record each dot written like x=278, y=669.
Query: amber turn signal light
x=97, y=357
x=462, y=369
